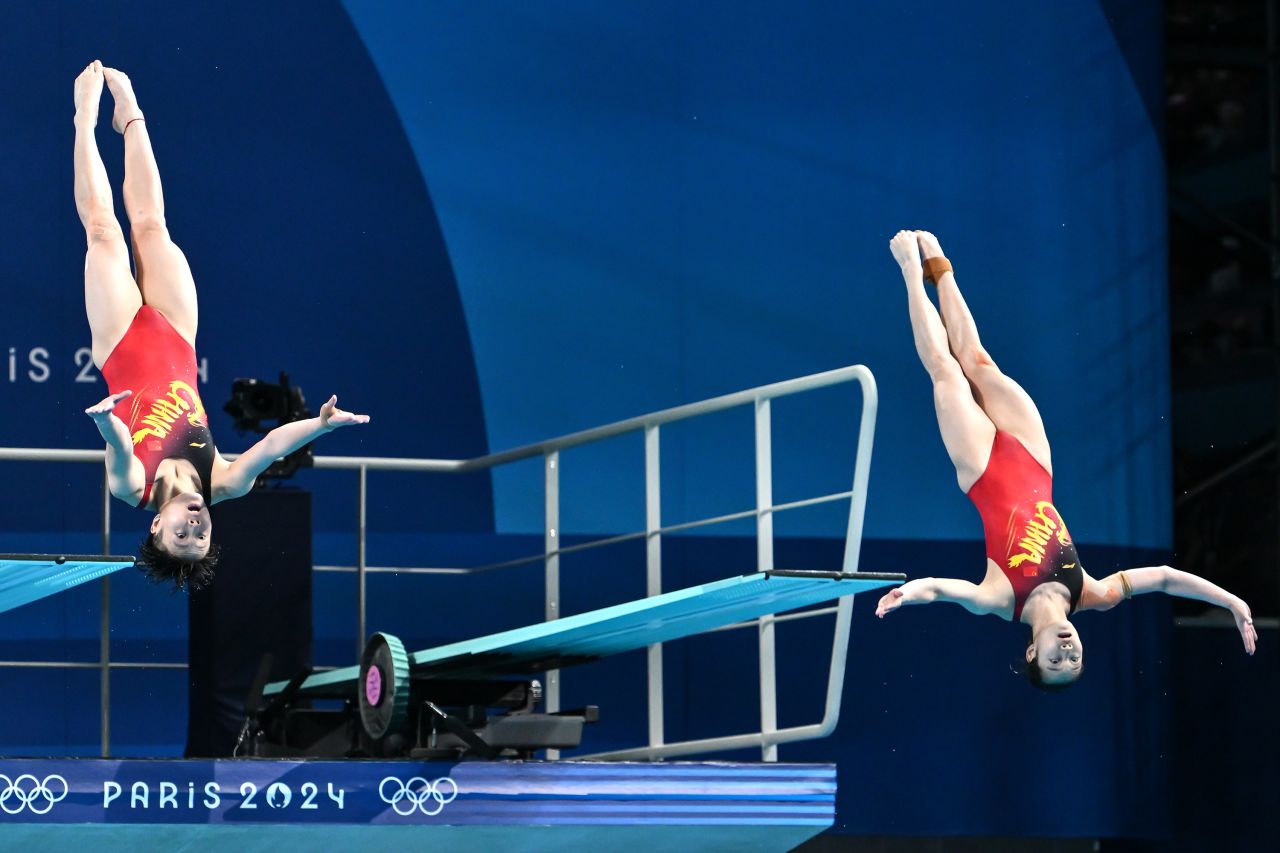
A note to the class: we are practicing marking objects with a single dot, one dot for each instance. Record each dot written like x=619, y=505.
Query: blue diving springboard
x=611, y=630
x=29, y=577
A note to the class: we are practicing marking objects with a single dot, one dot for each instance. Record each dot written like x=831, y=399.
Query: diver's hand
x=103, y=409
x=1244, y=622
x=331, y=417
x=918, y=591
x=891, y=601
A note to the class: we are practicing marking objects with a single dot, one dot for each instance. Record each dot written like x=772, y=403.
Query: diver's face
x=183, y=528
x=1058, y=651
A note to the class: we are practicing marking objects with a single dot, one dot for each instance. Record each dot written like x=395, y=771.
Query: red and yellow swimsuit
x=165, y=416
x=1026, y=536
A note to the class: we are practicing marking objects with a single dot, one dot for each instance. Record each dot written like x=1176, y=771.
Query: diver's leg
x=163, y=272
x=111, y=297
x=966, y=430
x=1008, y=406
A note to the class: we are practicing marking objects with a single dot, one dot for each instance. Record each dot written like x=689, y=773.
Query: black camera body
x=254, y=401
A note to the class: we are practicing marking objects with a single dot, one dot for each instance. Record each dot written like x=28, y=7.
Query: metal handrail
x=760, y=397
x=594, y=543
x=787, y=387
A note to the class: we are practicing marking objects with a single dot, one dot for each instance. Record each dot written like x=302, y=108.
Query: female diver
x=996, y=440
x=160, y=454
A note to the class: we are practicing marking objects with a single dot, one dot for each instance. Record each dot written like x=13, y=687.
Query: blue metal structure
x=621, y=628
x=29, y=577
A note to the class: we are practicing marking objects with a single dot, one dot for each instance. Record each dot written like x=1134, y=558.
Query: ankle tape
x=935, y=267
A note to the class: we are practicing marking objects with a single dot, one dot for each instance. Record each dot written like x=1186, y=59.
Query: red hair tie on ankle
x=129, y=122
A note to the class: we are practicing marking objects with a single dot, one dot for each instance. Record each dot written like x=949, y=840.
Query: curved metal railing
x=760, y=398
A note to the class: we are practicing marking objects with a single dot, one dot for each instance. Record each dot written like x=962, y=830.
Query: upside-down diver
x=996, y=440
x=160, y=454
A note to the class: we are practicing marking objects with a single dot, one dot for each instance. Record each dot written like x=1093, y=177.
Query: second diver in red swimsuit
x=996, y=440
x=160, y=455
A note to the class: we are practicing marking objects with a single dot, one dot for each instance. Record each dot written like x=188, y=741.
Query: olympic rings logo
x=29, y=792
x=427, y=796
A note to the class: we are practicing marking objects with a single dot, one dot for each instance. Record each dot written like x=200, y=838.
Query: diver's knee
x=101, y=226
x=150, y=225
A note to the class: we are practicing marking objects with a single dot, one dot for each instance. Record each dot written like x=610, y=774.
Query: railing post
x=861, y=471
x=361, y=559
x=852, y=550
x=764, y=563
x=551, y=543
x=104, y=625
x=653, y=575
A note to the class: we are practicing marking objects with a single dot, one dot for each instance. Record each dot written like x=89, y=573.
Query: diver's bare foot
x=929, y=246
x=88, y=92
x=906, y=252
x=126, y=102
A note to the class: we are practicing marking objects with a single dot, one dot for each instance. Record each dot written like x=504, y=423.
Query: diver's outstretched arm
x=970, y=596
x=281, y=441
x=1186, y=585
x=126, y=478
x=1111, y=590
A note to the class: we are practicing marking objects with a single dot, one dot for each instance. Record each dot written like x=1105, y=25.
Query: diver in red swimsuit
x=996, y=440
x=160, y=454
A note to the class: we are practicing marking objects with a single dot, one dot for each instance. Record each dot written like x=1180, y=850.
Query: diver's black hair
x=163, y=568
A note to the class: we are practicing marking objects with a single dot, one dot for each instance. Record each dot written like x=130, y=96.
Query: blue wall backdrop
x=491, y=223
